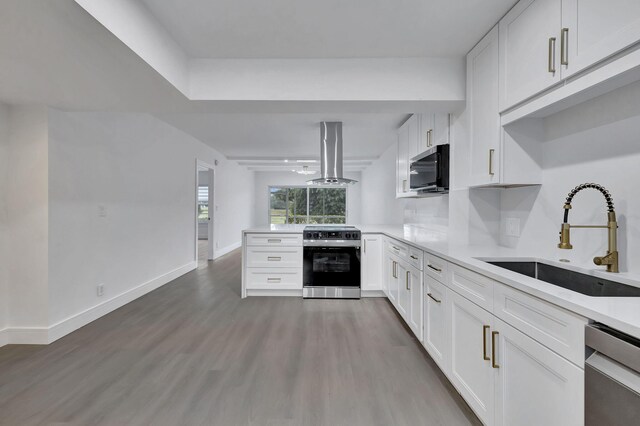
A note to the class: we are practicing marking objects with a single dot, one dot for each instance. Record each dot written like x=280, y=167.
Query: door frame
x=210, y=229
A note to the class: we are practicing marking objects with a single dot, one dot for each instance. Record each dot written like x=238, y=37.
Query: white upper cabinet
x=402, y=162
x=482, y=105
x=413, y=130
x=372, y=264
x=529, y=50
x=592, y=30
x=434, y=130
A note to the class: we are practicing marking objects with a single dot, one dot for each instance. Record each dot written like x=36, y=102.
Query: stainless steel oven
x=331, y=262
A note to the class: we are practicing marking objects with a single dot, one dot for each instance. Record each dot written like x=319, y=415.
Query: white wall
x=263, y=180
x=4, y=243
x=122, y=204
x=379, y=204
x=26, y=199
x=593, y=142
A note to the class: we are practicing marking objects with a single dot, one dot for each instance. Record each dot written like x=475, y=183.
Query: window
x=307, y=205
x=203, y=203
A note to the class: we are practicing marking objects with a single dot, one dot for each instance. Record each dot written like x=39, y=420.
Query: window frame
x=308, y=187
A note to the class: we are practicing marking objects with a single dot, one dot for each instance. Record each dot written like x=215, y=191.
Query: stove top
x=331, y=232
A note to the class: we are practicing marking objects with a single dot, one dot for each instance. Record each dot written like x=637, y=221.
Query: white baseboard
x=225, y=250
x=43, y=336
x=74, y=322
x=4, y=339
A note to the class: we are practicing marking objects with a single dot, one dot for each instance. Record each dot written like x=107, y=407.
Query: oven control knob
x=347, y=236
x=307, y=235
x=316, y=235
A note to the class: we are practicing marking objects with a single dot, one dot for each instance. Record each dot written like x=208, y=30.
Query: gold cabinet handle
x=484, y=342
x=434, y=268
x=430, y=138
x=274, y=258
x=274, y=280
x=404, y=185
x=413, y=257
x=491, y=152
x=395, y=273
x=433, y=298
x=274, y=240
x=552, y=55
x=364, y=242
x=494, y=364
x=408, y=280
x=564, y=47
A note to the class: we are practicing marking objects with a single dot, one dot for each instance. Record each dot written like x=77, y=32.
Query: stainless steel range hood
x=331, y=155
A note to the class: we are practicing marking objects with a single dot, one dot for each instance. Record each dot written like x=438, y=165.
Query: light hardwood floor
x=194, y=353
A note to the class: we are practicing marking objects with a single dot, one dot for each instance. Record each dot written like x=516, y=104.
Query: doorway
x=205, y=208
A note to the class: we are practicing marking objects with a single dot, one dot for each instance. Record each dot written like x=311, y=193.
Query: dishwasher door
x=612, y=378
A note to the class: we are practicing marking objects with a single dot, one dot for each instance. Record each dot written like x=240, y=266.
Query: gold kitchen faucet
x=611, y=258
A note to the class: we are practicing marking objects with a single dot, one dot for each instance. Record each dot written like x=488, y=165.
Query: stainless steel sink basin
x=571, y=280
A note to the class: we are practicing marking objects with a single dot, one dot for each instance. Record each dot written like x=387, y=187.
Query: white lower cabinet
x=533, y=385
x=372, y=268
x=415, y=316
x=404, y=295
x=505, y=376
x=471, y=370
x=436, y=323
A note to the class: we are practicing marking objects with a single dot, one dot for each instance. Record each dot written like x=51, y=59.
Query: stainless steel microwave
x=429, y=171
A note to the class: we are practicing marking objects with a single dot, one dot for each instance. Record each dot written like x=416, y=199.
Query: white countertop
x=621, y=313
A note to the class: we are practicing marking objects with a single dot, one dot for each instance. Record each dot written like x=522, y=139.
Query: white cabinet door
x=471, y=370
x=435, y=324
x=534, y=386
x=413, y=129
x=392, y=280
x=529, y=50
x=415, y=315
x=404, y=295
x=484, y=117
x=596, y=29
x=441, y=128
x=402, y=162
x=372, y=274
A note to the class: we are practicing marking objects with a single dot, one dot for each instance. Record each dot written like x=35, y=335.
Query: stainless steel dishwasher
x=612, y=377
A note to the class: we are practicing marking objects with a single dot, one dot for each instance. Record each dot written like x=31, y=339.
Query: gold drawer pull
x=552, y=55
x=433, y=298
x=395, y=248
x=434, y=268
x=564, y=47
x=274, y=240
x=491, y=152
x=484, y=342
x=413, y=257
x=274, y=258
x=274, y=280
x=494, y=364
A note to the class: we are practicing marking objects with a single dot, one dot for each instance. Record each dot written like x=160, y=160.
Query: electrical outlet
x=513, y=227
x=100, y=290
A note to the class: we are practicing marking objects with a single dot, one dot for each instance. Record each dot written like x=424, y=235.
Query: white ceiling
x=327, y=28
x=292, y=136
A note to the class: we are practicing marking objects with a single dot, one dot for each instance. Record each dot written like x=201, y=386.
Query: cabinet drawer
x=274, y=240
x=275, y=279
x=267, y=257
x=415, y=258
x=435, y=267
x=559, y=330
x=475, y=287
x=397, y=248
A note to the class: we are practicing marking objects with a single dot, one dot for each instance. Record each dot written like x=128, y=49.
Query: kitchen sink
x=571, y=280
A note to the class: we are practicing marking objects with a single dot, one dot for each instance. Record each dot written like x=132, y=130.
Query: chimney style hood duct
x=331, y=155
